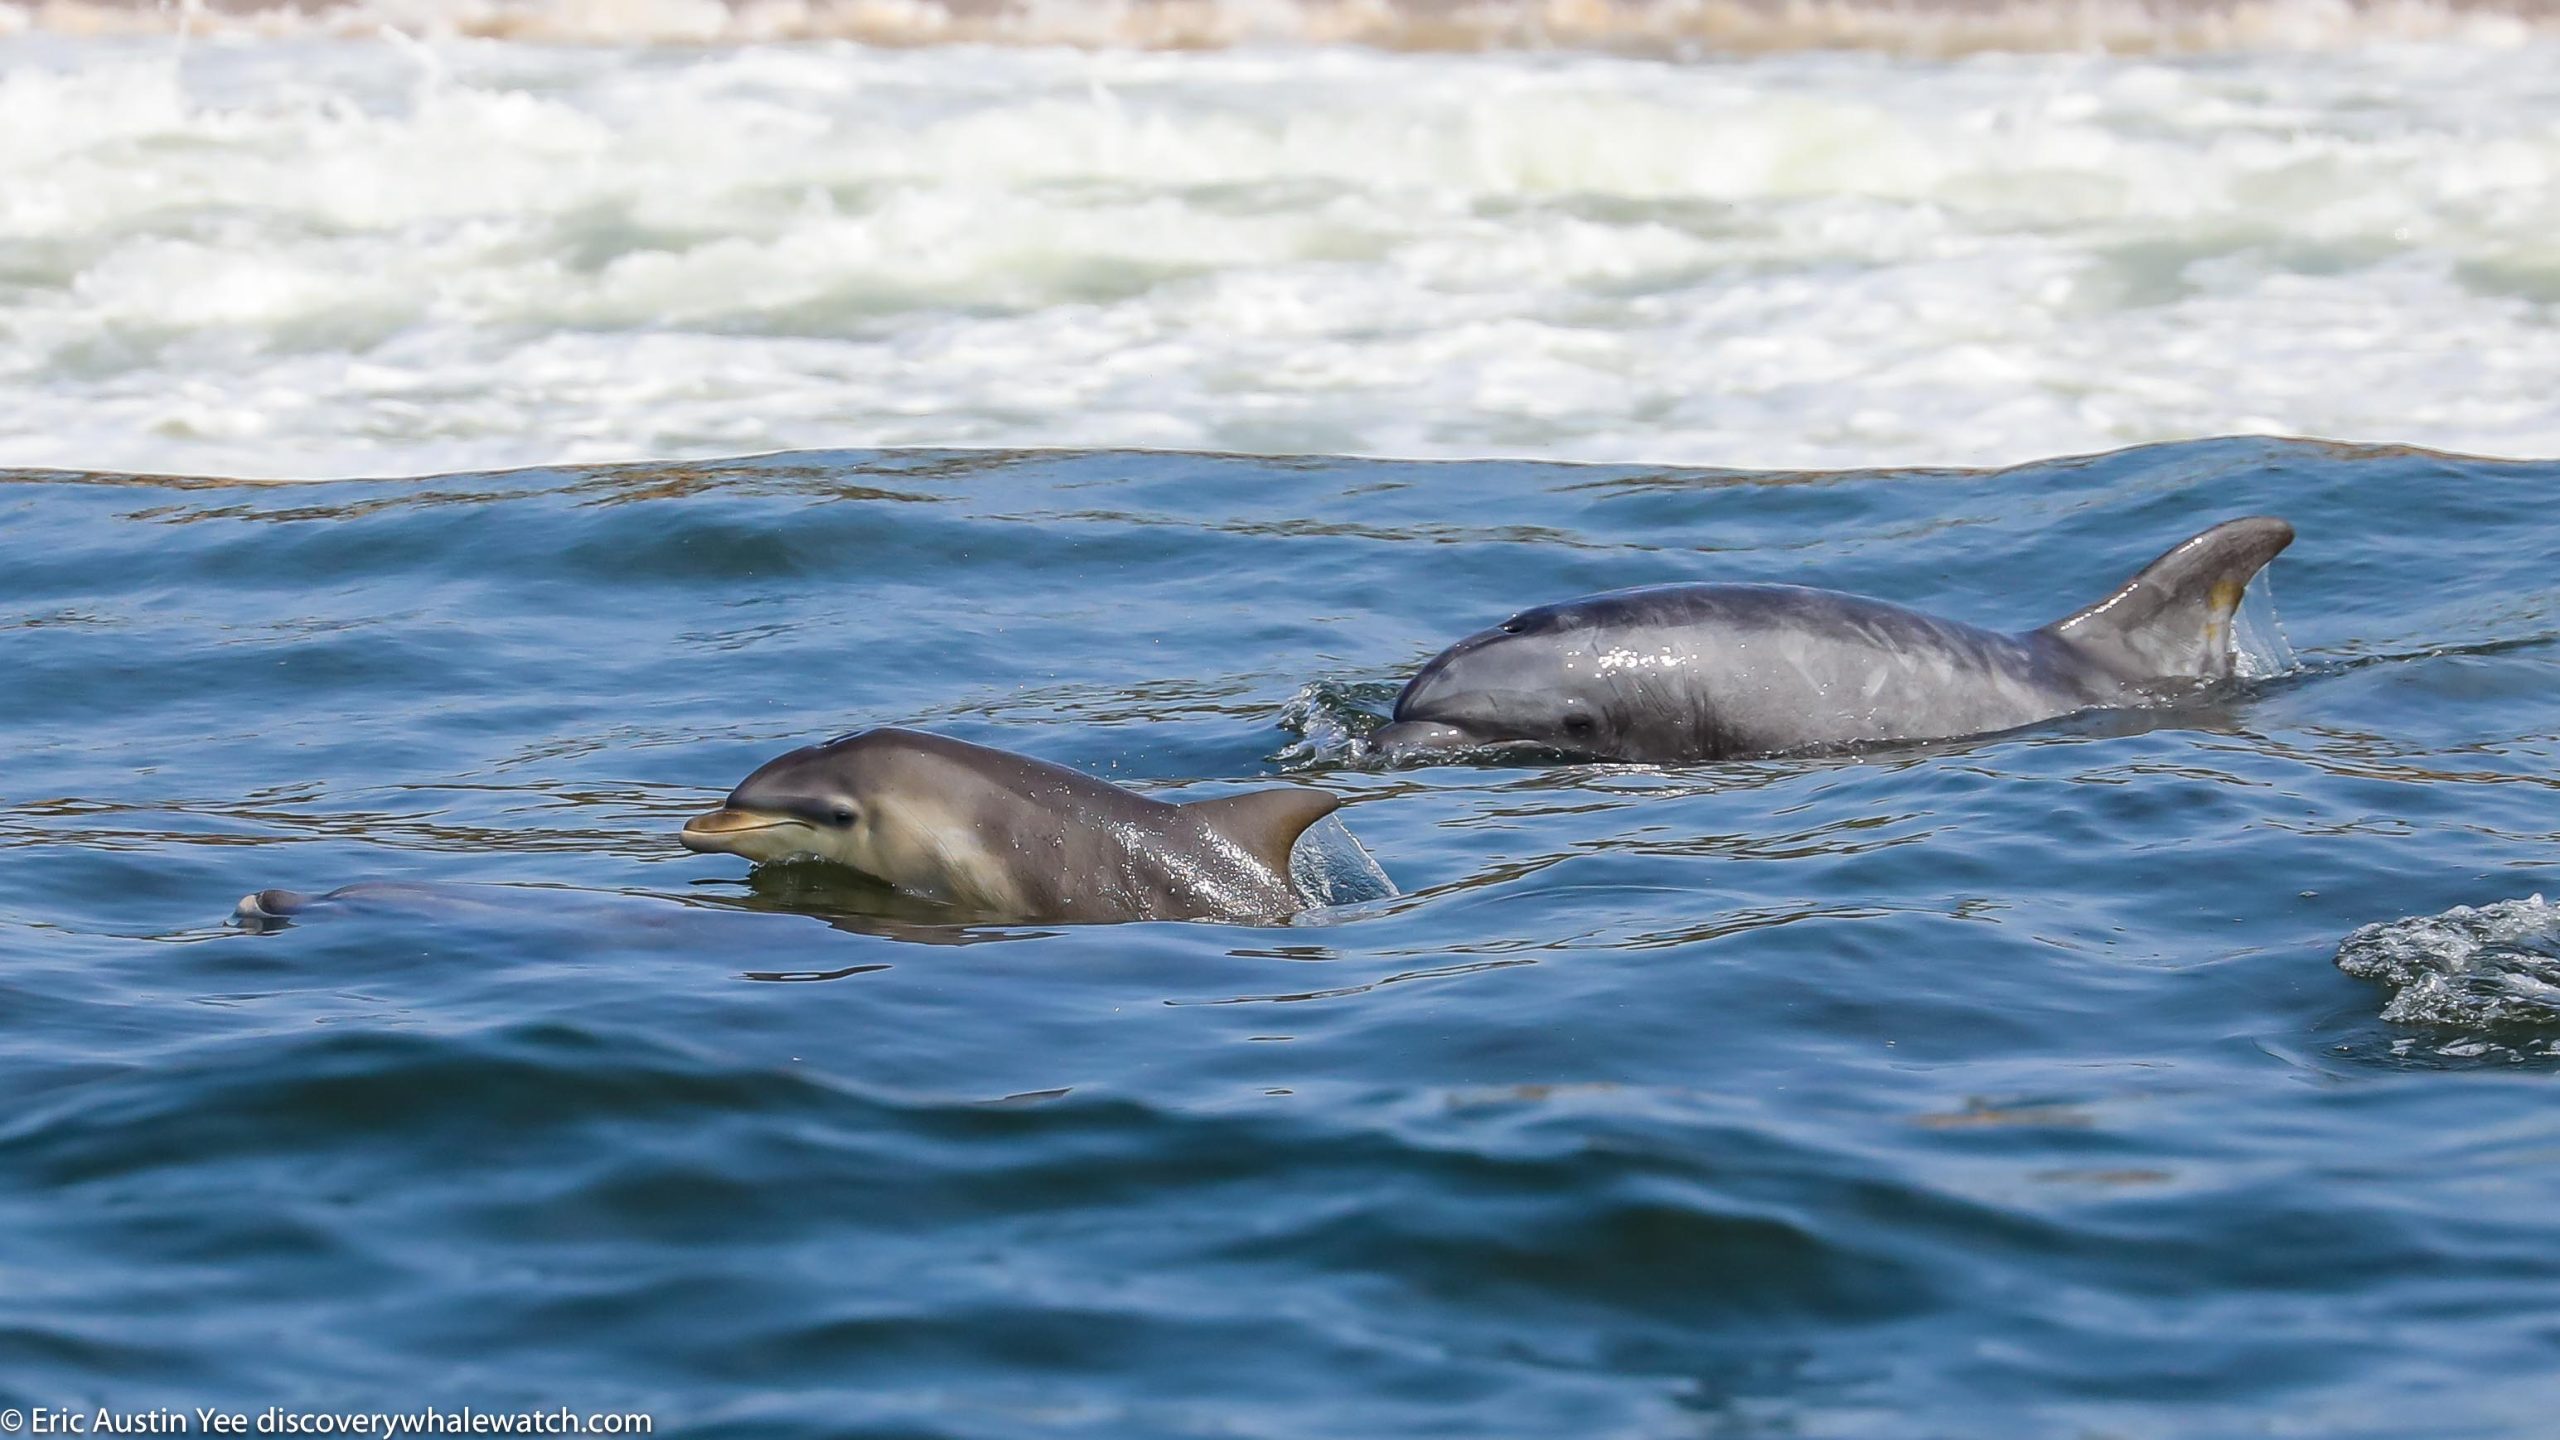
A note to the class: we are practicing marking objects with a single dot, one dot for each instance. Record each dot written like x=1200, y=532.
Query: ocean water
x=2002, y=1087
x=346, y=249
x=2150, y=1075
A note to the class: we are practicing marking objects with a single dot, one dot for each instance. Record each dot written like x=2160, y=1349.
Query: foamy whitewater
x=337, y=248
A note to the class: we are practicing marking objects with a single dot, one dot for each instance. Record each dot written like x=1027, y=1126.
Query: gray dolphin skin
x=1671, y=673
x=1006, y=837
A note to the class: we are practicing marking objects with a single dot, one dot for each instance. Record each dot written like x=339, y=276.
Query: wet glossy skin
x=1004, y=836
x=1673, y=673
x=1707, y=672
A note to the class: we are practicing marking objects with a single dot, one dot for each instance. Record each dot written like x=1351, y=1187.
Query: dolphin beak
x=721, y=830
x=1407, y=740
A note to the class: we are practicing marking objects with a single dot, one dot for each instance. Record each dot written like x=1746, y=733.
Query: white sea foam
x=316, y=256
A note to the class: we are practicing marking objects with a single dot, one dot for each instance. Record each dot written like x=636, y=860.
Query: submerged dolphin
x=611, y=920
x=266, y=911
x=1670, y=673
x=1005, y=836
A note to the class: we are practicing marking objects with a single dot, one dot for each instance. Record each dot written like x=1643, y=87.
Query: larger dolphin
x=1006, y=837
x=1670, y=673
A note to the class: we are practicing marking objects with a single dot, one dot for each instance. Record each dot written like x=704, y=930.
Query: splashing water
x=1331, y=867
x=2259, y=647
x=2490, y=967
x=1331, y=720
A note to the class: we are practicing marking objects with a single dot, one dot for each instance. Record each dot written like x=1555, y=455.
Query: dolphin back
x=2173, y=621
x=1265, y=824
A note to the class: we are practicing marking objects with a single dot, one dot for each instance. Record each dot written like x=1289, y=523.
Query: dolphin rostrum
x=1006, y=837
x=1669, y=673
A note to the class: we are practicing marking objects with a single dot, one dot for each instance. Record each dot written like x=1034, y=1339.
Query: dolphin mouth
x=720, y=830
x=1419, y=739
x=1426, y=742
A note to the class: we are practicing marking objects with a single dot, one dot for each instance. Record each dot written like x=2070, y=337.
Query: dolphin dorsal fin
x=2174, y=619
x=1265, y=823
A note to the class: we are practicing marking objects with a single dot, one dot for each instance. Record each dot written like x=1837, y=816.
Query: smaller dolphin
x=1007, y=837
x=267, y=911
x=1671, y=673
x=612, y=919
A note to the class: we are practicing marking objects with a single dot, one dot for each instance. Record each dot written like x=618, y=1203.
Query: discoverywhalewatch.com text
x=276, y=1420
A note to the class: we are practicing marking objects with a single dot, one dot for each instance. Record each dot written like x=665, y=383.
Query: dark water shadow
x=847, y=901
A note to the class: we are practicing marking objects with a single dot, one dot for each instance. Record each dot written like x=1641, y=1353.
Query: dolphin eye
x=1578, y=726
x=1511, y=626
x=842, y=815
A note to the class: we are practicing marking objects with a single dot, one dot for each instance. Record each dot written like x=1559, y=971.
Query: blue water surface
x=2001, y=1087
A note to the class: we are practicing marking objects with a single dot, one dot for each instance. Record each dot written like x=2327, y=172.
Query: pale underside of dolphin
x=1672, y=673
x=1000, y=836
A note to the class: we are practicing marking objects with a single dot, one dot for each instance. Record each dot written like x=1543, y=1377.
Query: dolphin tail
x=2173, y=621
x=268, y=909
x=1265, y=823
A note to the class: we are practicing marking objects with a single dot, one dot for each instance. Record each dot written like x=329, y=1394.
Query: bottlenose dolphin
x=612, y=919
x=1668, y=673
x=1004, y=836
x=270, y=910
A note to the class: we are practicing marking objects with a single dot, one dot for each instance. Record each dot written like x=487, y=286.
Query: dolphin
x=1006, y=837
x=266, y=911
x=615, y=918
x=1670, y=673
